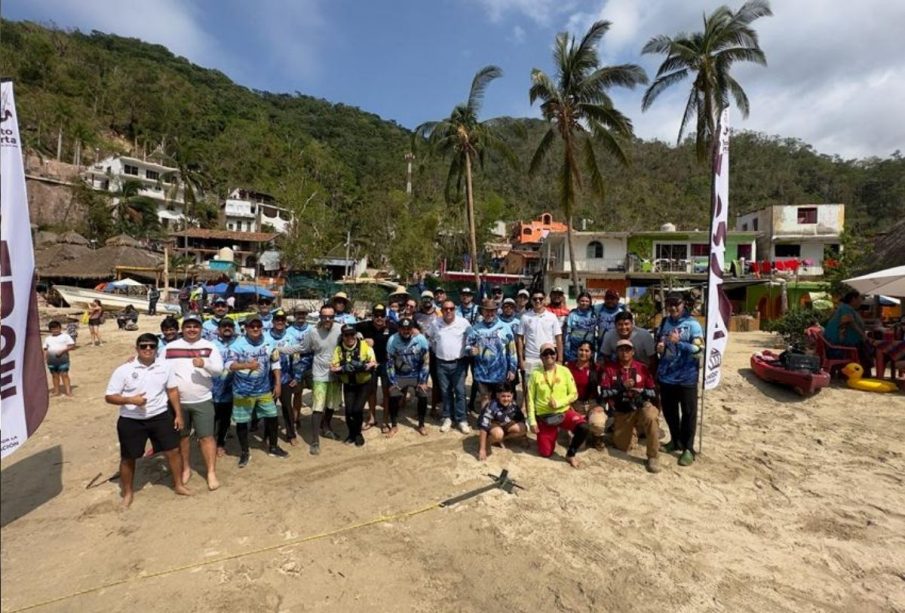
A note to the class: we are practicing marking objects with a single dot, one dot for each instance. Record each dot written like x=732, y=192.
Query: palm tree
x=466, y=139
x=135, y=214
x=709, y=55
x=581, y=114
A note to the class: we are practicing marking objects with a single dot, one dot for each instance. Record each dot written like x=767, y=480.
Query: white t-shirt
x=448, y=340
x=194, y=383
x=55, y=344
x=133, y=378
x=537, y=330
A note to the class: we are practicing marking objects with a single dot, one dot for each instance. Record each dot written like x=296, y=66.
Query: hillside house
x=158, y=182
x=600, y=260
x=250, y=211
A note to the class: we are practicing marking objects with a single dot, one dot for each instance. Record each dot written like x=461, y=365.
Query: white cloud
x=518, y=35
x=542, y=12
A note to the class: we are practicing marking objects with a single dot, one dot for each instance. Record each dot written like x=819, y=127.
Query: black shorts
x=94, y=322
x=134, y=434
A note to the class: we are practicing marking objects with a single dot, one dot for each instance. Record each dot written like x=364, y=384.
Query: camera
x=354, y=366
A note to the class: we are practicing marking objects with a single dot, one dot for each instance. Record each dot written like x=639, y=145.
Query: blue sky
x=836, y=77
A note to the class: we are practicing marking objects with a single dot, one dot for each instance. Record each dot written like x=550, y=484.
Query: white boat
x=111, y=301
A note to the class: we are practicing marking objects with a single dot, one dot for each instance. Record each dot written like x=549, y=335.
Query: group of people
x=588, y=371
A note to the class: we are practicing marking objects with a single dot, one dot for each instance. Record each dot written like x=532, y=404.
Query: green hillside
x=342, y=168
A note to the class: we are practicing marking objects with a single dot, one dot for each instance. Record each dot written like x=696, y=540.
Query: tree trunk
x=473, y=244
x=575, y=287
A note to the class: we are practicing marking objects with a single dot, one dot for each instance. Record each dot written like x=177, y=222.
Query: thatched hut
x=103, y=263
x=122, y=240
x=73, y=238
x=889, y=248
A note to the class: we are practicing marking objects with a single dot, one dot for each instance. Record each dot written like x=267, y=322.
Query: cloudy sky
x=836, y=74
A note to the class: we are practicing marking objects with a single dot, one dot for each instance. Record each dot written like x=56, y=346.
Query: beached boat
x=767, y=366
x=111, y=301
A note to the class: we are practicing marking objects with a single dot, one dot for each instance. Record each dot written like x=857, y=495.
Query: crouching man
x=501, y=419
x=628, y=388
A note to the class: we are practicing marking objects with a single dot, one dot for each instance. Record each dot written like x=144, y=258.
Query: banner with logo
x=23, y=382
x=718, y=307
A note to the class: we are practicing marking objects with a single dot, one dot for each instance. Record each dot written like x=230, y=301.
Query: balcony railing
x=590, y=265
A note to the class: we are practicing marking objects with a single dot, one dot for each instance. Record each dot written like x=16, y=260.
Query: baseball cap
x=488, y=304
x=557, y=290
x=192, y=317
x=219, y=300
x=226, y=322
x=466, y=290
x=675, y=297
x=348, y=329
x=524, y=292
x=253, y=317
x=379, y=309
x=547, y=346
x=624, y=342
x=406, y=322
x=280, y=314
x=341, y=296
x=611, y=293
x=427, y=294
x=439, y=290
x=508, y=301
x=497, y=288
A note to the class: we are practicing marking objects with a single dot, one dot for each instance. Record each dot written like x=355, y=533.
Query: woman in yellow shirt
x=354, y=361
x=551, y=392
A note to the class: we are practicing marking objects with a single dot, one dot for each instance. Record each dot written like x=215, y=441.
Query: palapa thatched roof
x=122, y=240
x=45, y=238
x=101, y=263
x=889, y=249
x=73, y=238
x=56, y=254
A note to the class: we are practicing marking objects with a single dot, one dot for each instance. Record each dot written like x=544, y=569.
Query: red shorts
x=546, y=435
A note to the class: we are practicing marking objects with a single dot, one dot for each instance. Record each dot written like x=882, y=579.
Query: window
x=787, y=251
x=547, y=219
x=700, y=249
x=743, y=251
x=754, y=224
x=152, y=174
x=526, y=231
x=807, y=214
x=128, y=169
x=744, y=227
x=595, y=250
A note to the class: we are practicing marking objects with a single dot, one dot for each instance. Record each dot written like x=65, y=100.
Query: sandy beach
x=794, y=505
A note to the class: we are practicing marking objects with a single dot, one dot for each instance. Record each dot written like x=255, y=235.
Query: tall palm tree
x=581, y=114
x=135, y=214
x=465, y=139
x=708, y=56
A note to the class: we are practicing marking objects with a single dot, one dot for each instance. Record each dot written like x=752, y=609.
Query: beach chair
x=841, y=354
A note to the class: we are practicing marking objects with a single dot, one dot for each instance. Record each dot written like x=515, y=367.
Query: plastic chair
x=850, y=354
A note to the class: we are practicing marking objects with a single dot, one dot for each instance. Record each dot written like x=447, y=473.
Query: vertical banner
x=23, y=382
x=718, y=307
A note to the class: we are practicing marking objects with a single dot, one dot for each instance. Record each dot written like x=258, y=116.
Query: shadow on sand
x=29, y=483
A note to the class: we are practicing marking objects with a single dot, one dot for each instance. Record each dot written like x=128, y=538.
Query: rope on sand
x=296, y=541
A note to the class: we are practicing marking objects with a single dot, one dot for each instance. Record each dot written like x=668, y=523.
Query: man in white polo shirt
x=447, y=340
x=194, y=362
x=141, y=388
x=536, y=327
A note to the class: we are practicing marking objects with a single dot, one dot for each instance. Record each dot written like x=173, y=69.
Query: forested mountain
x=342, y=168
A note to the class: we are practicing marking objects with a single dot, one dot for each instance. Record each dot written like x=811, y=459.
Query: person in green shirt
x=846, y=327
x=551, y=392
x=354, y=362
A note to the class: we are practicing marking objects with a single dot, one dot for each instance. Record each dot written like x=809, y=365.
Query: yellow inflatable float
x=854, y=371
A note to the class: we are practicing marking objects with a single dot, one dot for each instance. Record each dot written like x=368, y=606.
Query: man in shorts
x=141, y=388
x=255, y=368
x=301, y=362
x=56, y=353
x=407, y=368
x=194, y=362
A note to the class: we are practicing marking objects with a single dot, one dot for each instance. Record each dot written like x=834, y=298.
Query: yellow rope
x=295, y=541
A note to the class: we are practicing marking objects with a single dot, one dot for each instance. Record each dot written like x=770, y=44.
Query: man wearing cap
x=642, y=341
x=606, y=316
x=354, y=363
x=425, y=316
x=301, y=362
x=211, y=328
x=439, y=297
x=680, y=342
x=507, y=315
x=447, y=338
x=265, y=313
x=342, y=309
x=497, y=294
x=492, y=345
x=580, y=326
x=141, y=388
x=536, y=328
x=280, y=337
x=194, y=362
x=467, y=308
x=551, y=392
x=377, y=332
x=558, y=305
x=255, y=365
x=222, y=385
x=628, y=388
x=407, y=368
x=522, y=302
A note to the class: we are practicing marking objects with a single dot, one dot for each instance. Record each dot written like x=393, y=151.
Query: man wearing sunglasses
x=537, y=327
x=194, y=363
x=255, y=364
x=377, y=332
x=211, y=327
x=447, y=338
x=141, y=388
x=492, y=345
x=407, y=369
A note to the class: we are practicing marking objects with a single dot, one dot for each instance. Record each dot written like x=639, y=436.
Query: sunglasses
x=674, y=303
x=448, y=309
x=147, y=346
x=547, y=353
x=254, y=326
x=537, y=299
x=327, y=317
x=624, y=348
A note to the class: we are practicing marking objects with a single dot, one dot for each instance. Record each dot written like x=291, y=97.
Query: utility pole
x=409, y=158
x=348, y=251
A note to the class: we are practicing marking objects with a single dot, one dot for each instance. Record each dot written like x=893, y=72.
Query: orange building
x=534, y=231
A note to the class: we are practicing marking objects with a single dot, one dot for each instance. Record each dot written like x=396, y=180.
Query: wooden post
x=166, y=272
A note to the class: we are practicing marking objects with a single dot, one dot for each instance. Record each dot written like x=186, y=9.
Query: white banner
x=23, y=382
x=718, y=307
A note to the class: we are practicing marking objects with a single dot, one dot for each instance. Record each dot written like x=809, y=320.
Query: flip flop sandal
x=384, y=428
x=368, y=425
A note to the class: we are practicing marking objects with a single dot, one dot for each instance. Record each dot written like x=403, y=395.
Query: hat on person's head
x=252, y=317
x=611, y=293
x=406, y=322
x=427, y=294
x=192, y=317
x=624, y=342
x=557, y=290
x=301, y=308
x=279, y=314
x=439, y=290
x=597, y=423
x=547, y=346
x=509, y=301
x=675, y=297
x=497, y=289
x=379, y=309
x=340, y=296
x=219, y=300
x=524, y=292
x=488, y=304
x=226, y=322
x=348, y=329
x=466, y=290
x=400, y=291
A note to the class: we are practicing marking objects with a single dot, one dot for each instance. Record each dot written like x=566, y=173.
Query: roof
x=889, y=249
x=101, y=263
x=230, y=235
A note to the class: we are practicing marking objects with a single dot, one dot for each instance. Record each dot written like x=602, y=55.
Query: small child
x=502, y=418
x=56, y=352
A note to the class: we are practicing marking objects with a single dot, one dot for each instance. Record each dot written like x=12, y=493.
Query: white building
x=249, y=211
x=599, y=258
x=799, y=233
x=159, y=183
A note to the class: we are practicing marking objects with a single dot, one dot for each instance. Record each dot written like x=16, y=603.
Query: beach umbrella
x=890, y=282
x=221, y=289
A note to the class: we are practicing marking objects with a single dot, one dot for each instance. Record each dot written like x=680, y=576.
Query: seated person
x=500, y=419
x=127, y=319
x=846, y=327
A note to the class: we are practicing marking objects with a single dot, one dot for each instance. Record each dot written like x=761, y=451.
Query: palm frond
x=609, y=118
x=753, y=9
x=479, y=86
x=610, y=142
x=623, y=75
x=660, y=84
x=590, y=163
x=741, y=99
x=541, y=152
x=691, y=109
x=542, y=87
